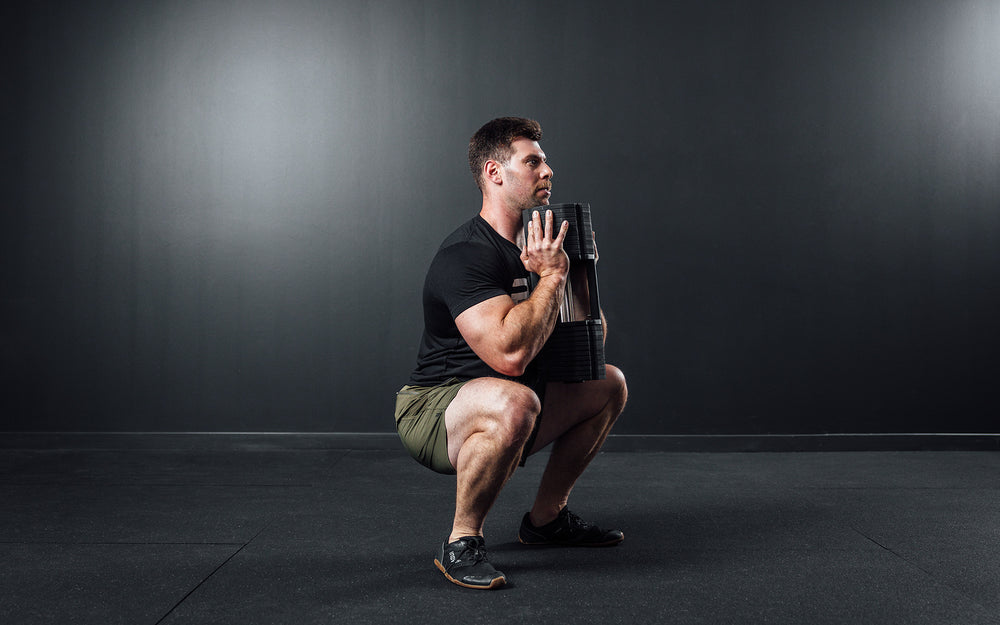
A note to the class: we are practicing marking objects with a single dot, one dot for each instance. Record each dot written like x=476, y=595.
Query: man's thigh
x=482, y=400
x=567, y=404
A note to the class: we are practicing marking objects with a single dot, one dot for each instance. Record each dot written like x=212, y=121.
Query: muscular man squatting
x=475, y=405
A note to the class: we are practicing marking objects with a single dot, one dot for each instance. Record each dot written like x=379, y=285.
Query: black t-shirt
x=473, y=265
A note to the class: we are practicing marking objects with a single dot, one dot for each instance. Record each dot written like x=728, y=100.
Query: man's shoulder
x=469, y=242
x=472, y=231
x=469, y=253
x=464, y=252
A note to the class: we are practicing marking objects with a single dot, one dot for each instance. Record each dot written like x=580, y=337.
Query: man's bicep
x=480, y=325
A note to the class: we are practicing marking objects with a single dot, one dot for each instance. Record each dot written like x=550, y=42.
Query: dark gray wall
x=217, y=215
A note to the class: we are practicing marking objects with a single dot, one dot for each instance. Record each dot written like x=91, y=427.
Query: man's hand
x=506, y=334
x=542, y=254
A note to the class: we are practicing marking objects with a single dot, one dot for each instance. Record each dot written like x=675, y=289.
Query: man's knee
x=516, y=408
x=506, y=410
x=617, y=386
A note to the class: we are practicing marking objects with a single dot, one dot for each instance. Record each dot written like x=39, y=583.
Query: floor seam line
x=341, y=458
x=210, y=575
x=893, y=552
x=929, y=574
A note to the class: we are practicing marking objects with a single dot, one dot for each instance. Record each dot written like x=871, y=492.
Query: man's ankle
x=543, y=516
x=456, y=534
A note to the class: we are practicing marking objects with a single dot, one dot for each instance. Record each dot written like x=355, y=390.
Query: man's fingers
x=538, y=234
x=562, y=233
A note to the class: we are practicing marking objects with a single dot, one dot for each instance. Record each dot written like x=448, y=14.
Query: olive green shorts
x=420, y=422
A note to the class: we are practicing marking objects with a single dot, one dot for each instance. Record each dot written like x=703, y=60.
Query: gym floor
x=170, y=534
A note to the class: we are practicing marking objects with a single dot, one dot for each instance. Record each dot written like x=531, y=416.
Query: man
x=475, y=405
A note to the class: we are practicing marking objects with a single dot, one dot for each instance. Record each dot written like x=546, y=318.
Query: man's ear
x=491, y=172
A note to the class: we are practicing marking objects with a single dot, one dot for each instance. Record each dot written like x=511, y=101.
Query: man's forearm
x=529, y=324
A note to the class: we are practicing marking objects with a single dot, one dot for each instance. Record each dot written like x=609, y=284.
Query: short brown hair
x=492, y=142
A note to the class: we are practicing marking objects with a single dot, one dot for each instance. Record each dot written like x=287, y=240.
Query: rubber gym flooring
x=268, y=534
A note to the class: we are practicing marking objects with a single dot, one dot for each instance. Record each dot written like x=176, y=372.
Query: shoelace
x=575, y=521
x=477, y=554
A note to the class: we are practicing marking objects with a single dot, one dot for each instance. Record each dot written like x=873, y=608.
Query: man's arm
x=508, y=335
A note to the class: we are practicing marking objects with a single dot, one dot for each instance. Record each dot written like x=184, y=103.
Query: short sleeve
x=466, y=274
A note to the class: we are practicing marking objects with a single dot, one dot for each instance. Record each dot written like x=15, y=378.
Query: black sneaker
x=464, y=563
x=567, y=530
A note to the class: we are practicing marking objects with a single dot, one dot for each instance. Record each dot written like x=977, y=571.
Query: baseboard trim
x=806, y=442
x=373, y=441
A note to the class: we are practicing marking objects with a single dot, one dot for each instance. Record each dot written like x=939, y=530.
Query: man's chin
x=541, y=202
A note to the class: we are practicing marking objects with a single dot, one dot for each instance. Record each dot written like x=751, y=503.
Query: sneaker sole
x=496, y=583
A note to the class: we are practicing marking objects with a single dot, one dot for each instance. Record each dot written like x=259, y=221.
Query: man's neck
x=505, y=220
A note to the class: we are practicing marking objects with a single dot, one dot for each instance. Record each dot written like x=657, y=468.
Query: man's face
x=527, y=178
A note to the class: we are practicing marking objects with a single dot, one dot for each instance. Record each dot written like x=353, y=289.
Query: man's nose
x=547, y=171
